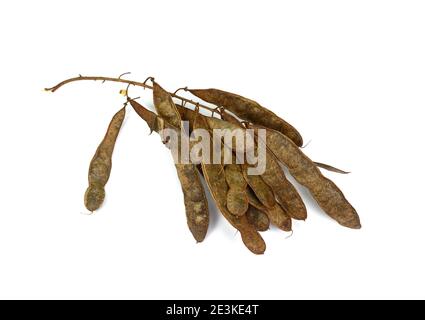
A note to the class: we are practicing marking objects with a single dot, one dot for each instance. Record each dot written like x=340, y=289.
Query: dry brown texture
x=285, y=192
x=195, y=200
x=165, y=106
x=279, y=217
x=258, y=219
x=248, y=110
x=196, y=204
x=324, y=191
x=216, y=181
x=273, y=177
x=101, y=164
x=276, y=214
x=261, y=189
x=237, y=199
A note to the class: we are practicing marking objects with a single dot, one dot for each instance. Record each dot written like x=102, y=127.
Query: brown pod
x=150, y=117
x=216, y=181
x=165, y=106
x=237, y=199
x=285, y=192
x=276, y=214
x=195, y=200
x=324, y=191
x=196, y=204
x=101, y=164
x=273, y=182
x=261, y=189
x=258, y=218
x=279, y=218
x=248, y=110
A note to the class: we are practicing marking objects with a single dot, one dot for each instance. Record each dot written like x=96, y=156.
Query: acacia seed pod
x=237, y=199
x=165, y=106
x=258, y=218
x=248, y=110
x=263, y=192
x=101, y=164
x=216, y=181
x=324, y=191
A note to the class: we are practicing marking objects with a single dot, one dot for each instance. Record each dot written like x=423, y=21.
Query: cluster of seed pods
x=250, y=203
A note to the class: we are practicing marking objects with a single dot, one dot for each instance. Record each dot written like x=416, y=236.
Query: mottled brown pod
x=216, y=181
x=283, y=190
x=195, y=200
x=196, y=204
x=101, y=164
x=237, y=199
x=261, y=189
x=279, y=218
x=165, y=106
x=258, y=218
x=276, y=214
x=324, y=191
x=248, y=110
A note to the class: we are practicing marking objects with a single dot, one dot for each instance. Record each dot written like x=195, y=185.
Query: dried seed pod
x=196, y=204
x=101, y=164
x=237, y=199
x=165, y=106
x=272, y=183
x=285, y=192
x=276, y=214
x=258, y=218
x=261, y=189
x=248, y=110
x=216, y=181
x=195, y=200
x=324, y=191
x=279, y=218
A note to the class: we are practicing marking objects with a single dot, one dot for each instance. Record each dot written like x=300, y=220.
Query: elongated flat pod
x=324, y=191
x=151, y=118
x=196, y=204
x=216, y=181
x=285, y=192
x=253, y=200
x=258, y=219
x=195, y=200
x=237, y=199
x=279, y=218
x=101, y=164
x=165, y=106
x=186, y=115
x=249, y=110
x=261, y=189
x=276, y=214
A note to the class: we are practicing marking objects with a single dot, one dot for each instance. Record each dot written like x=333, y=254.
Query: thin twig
x=135, y=83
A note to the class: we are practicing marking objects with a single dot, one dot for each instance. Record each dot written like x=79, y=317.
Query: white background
x=349, y=75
